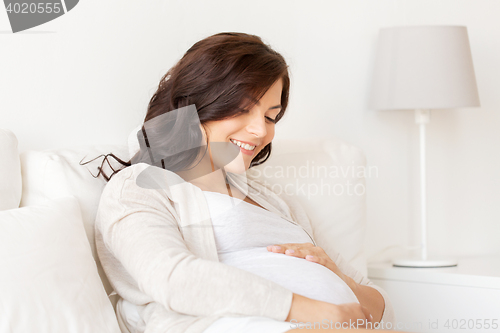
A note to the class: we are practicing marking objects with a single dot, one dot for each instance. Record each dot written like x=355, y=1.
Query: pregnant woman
x=189, y=242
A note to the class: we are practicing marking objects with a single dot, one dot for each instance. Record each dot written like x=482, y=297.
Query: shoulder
x=145, y=176
x=141, y=181
x=139, y=187
x=145, y=180
x=124, y=176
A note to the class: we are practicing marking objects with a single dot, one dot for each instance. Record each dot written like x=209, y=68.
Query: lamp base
x=419, y=263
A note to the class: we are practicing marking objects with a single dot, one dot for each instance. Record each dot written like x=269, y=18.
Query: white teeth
x=243, y=145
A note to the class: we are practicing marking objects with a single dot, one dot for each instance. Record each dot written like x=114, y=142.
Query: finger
x=298, y=250
x=367, y=314
x=295, y=252
x=313, y=258
x=277, y=248
x=281, y=248
x=293, y=245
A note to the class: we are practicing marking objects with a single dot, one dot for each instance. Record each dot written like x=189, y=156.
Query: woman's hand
x=311, y=253
x=305, y=309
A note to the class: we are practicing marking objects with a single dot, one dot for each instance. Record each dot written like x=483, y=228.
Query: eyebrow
x=258, y=103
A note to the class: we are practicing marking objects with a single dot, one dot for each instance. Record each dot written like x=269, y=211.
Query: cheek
x=223, y=129
x=270, y=134
x=230, y=126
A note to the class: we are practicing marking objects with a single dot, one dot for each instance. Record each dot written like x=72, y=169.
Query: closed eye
x=241, y=110
x=271, y=120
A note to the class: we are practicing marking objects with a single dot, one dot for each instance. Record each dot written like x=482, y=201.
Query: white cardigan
x=157, y=247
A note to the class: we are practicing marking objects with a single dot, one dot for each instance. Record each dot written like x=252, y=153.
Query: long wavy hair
x=217, y=75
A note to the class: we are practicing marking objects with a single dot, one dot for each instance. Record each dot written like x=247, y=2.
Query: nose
x=257, y=125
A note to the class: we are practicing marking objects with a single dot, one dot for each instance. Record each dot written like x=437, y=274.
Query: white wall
x=86, y=78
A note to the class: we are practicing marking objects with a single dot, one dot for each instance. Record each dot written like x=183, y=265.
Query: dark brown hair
x=215, y=74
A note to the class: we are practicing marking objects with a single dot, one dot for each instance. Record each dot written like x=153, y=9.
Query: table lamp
x=422, y=68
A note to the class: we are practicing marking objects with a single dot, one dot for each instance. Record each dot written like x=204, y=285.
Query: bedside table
x=465, y=298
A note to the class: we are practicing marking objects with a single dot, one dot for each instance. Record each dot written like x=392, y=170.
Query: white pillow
x=10, y=171
x=49, y=281
x=56, y=173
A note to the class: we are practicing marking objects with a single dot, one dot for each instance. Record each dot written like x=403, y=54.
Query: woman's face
x=255, y=128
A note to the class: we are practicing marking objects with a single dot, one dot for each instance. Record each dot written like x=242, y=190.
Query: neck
x=205, y=176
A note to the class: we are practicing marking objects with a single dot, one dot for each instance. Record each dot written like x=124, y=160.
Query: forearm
x=299, y=305
x=368, y=297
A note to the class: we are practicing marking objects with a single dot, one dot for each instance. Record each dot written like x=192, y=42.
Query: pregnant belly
x=296, y=274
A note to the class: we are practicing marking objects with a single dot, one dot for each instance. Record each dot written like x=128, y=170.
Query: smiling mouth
x=245, y=146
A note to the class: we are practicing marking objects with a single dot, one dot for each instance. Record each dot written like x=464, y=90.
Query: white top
x=242, y=233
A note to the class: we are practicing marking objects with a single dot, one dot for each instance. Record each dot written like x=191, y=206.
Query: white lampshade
x=423, y=67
